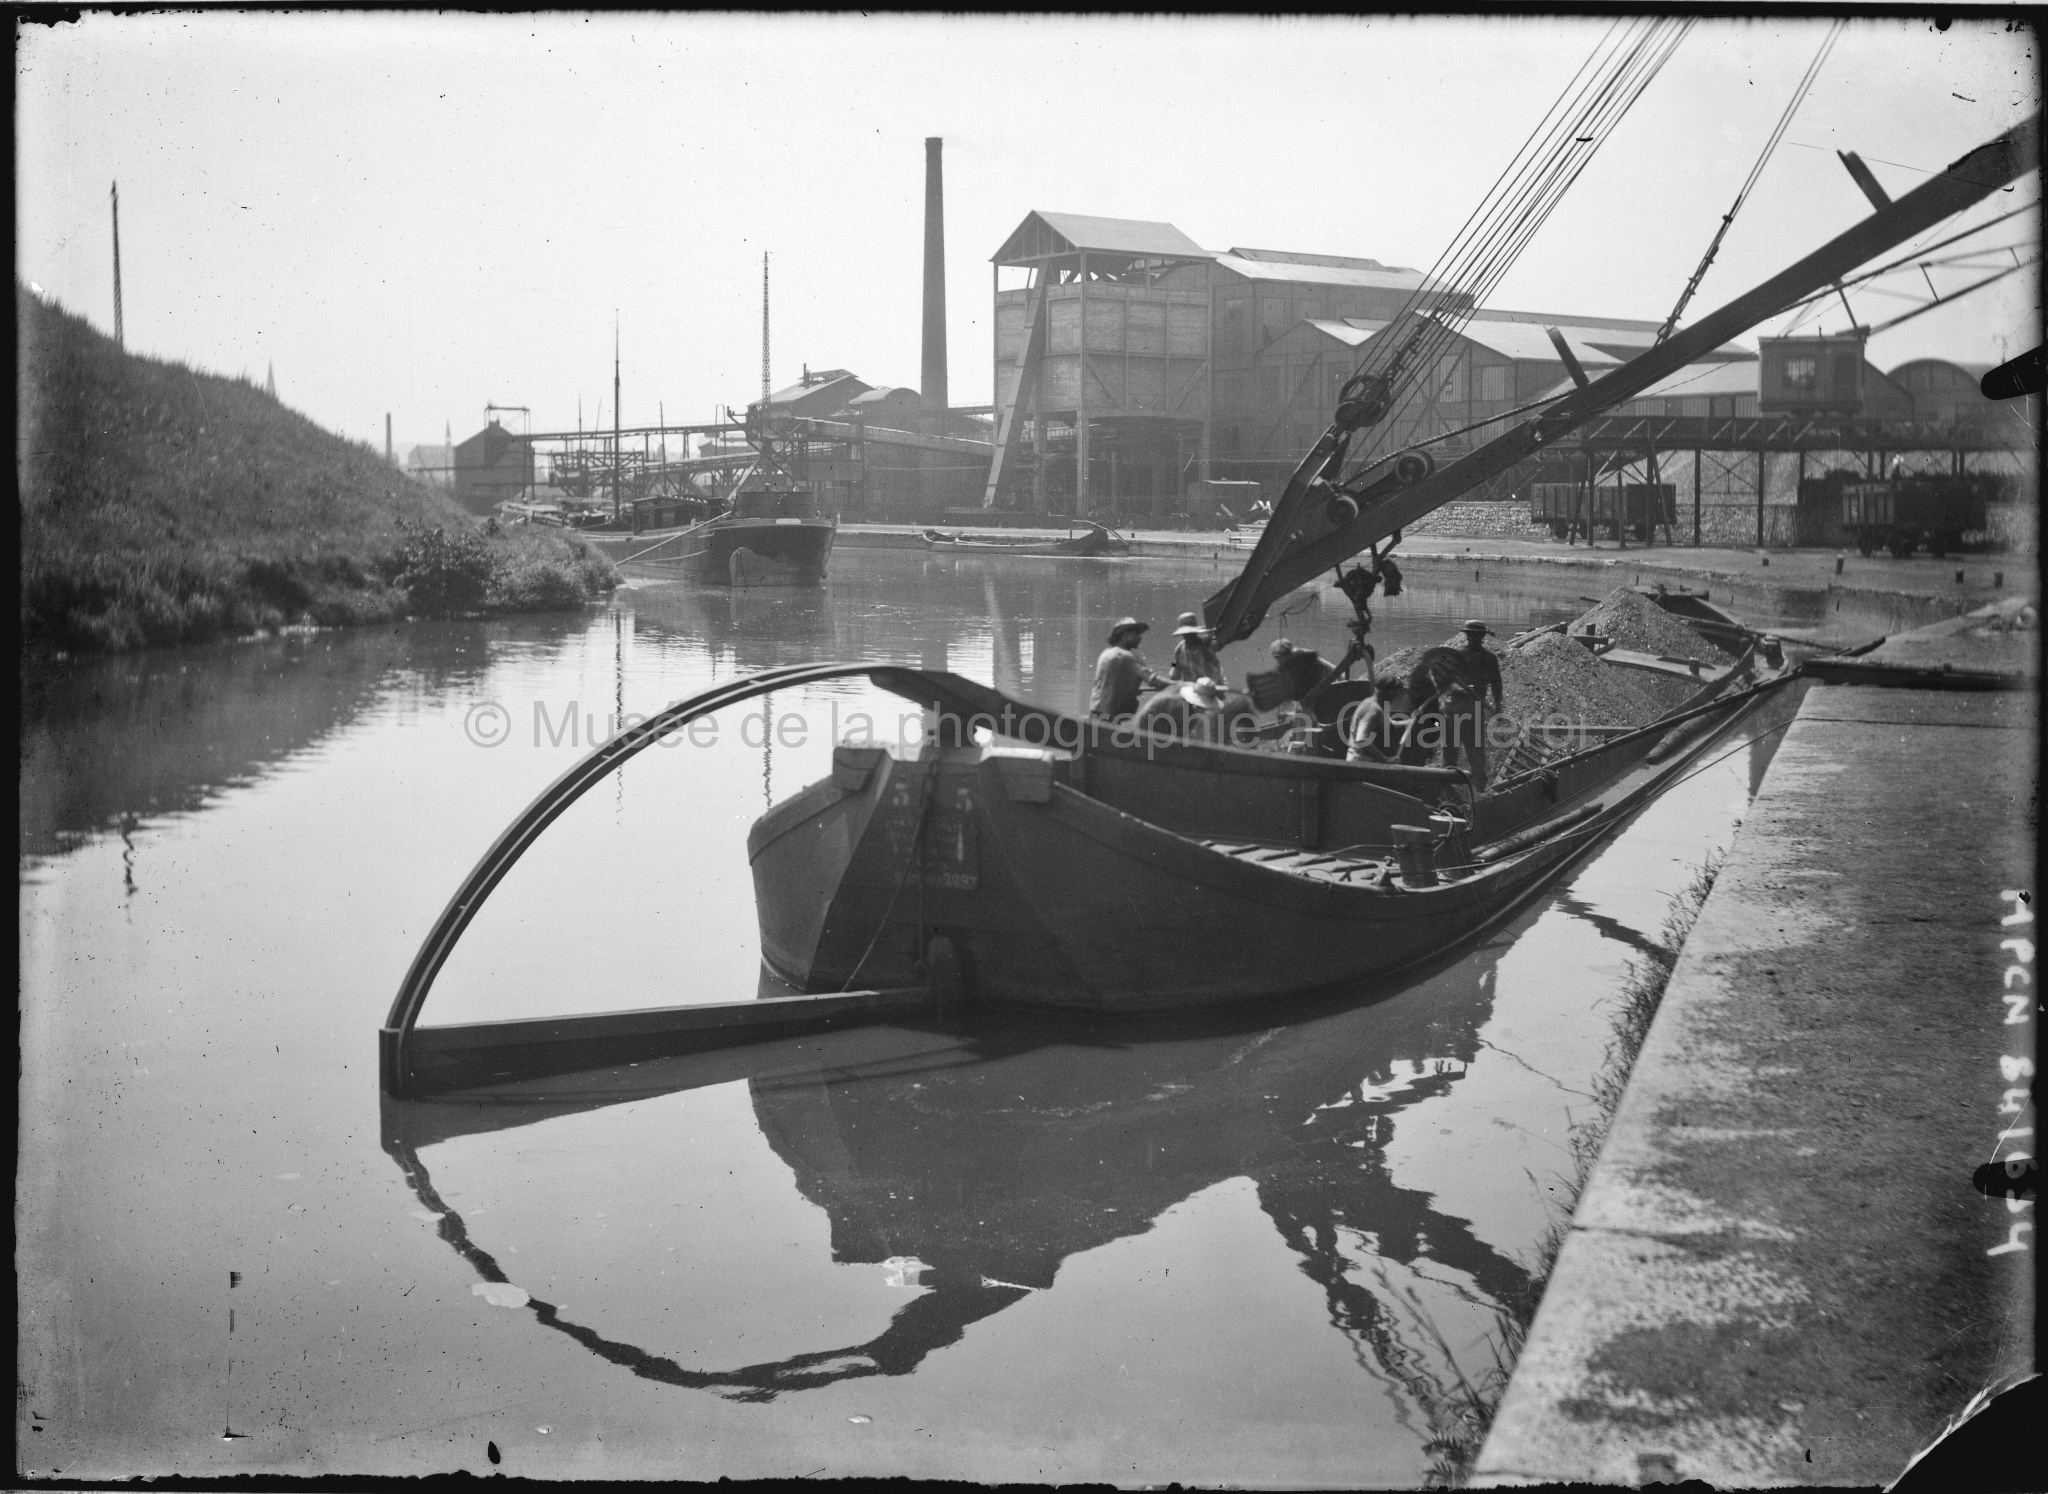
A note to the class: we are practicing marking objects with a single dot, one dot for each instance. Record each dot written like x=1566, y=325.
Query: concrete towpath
x=1868, y=594
x=1781, y=1271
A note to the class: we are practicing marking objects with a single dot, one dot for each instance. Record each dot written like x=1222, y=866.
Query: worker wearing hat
x=1194, y=655
x=1120, y=674
x=1451, y=688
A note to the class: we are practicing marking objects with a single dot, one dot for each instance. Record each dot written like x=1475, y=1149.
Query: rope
x=1629, y=55
x=924, y=804
x=1728, y=218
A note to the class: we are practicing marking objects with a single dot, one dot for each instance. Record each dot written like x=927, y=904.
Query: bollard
x=1998, y=579
x=1412, y=849
x=1838, y=563
x=1767, y=560
x=1959, y=578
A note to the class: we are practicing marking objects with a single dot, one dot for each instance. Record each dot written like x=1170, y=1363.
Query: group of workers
x=1189, y=698
x=1446, y=695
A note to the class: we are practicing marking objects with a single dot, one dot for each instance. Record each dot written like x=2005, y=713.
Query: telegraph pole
x=120, y=333
x=617, y=455
x=764, y=332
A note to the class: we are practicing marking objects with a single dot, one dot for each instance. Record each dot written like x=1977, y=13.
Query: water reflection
x=106, y=741
x=975, y=1160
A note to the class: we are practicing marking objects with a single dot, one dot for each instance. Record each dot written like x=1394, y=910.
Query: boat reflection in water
x=974, y=1159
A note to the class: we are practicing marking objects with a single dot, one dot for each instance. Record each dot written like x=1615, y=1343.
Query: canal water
x=1243, y=1250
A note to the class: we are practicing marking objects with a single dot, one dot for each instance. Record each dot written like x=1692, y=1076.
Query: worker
x=1301, y=668
x=1120, y=674
x=1199, y=711
x=1450, y=688
x=1194, y=656
x=1372, y=737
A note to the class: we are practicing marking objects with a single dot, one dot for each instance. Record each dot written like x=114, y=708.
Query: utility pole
x=120, y=333
x=617, y=455
x=764, y=332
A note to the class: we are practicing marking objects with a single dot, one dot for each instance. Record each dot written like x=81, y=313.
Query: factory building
x=492, y=466
x=1130, y=361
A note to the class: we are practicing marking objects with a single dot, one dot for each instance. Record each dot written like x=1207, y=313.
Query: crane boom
x=1319, y=523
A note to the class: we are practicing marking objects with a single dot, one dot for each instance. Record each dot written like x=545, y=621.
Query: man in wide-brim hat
x=1451, y=688
x=1194, y=652
x=1120, y=674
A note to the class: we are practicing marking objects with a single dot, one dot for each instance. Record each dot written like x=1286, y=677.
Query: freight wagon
x=1900, y=514
x=1563, y=506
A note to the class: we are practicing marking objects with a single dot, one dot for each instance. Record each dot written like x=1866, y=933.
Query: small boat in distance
x=1094, y=540
x=768, y=537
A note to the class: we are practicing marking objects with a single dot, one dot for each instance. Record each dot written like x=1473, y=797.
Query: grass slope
x=161, y=505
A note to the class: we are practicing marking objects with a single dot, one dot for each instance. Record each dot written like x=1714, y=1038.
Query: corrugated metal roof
x=1123, y=236
x=836, y=383
x=1302, y=274
x=1349, y=330
x=1975, y=370
x=1526, y=342
x=1632, y=327
x=1694, y=381
x=1327, y=261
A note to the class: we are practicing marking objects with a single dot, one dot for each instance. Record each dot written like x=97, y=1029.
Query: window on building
x=1802, y=375
x=1230, y=335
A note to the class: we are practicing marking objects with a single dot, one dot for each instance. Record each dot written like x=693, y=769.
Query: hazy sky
x=420, y=214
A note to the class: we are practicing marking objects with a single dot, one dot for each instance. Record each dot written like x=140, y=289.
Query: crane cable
x=1770, y=145
x=1592, y=104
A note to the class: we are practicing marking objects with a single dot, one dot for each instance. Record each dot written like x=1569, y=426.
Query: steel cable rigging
x=1599, y=95
x=1742, y=195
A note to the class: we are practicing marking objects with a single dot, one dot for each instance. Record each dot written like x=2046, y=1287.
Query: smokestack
x=934, y=373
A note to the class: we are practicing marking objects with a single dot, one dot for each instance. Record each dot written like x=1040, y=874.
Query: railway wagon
x=1900, y=514
x=1564, y=507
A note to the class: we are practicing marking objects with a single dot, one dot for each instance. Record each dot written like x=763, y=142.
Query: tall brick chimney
x=933, y=383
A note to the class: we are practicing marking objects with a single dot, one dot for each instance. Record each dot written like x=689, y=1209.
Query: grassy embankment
x=160, y=505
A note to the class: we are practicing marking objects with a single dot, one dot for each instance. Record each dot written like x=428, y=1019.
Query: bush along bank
x=105, y=601
x=159, y=505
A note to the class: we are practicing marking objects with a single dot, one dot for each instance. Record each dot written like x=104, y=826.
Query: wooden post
x=1208, y=379
x=120, y=331
x=1080, y=394
x=1041, y=307
x=1760, y=458
x=1696, y=497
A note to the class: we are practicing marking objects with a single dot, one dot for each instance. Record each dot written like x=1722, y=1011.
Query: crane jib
x=1301, y=543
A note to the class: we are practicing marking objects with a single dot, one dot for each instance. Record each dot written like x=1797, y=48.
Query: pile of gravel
x=1549, y=675
x=1634, y=621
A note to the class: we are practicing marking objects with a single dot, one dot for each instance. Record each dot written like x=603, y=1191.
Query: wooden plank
x=430, y=1060
x=768, y=1011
